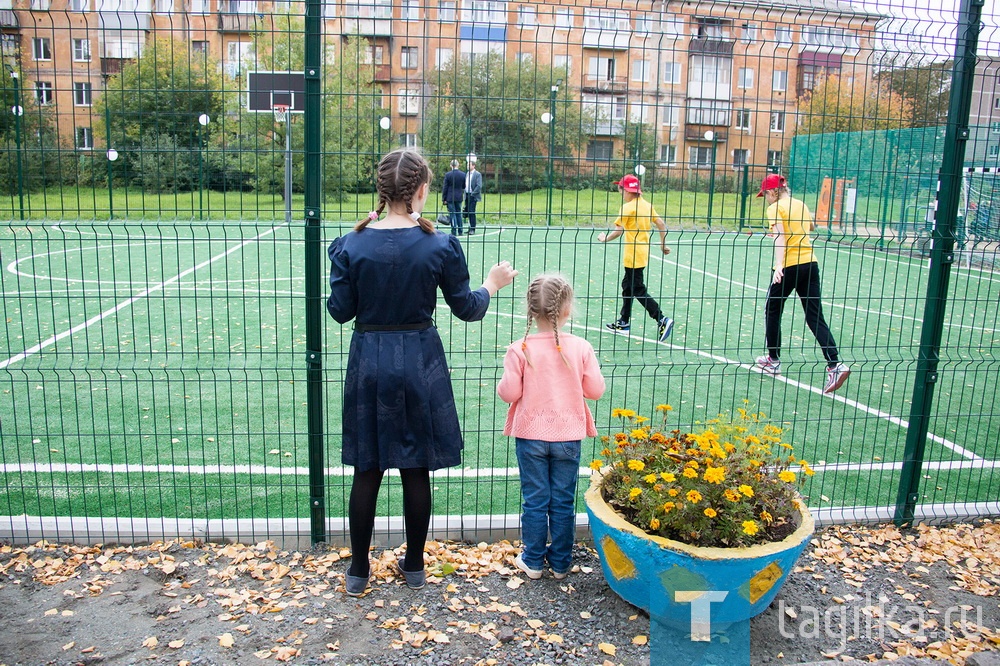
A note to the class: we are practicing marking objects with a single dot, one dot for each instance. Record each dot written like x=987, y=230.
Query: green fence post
x=942, y=256
x=314, y=270
x=744, y=194
x=18, y=112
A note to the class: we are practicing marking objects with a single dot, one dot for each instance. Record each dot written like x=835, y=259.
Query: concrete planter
x=648, y=571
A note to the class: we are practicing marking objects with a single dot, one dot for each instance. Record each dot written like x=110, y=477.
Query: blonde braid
x=555, y=308
x=524, y=341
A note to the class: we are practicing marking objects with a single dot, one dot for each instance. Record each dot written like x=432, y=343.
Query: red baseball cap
x=771, y=181
x=630, y=183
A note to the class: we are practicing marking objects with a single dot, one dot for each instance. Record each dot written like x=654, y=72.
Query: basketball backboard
x=265, y=89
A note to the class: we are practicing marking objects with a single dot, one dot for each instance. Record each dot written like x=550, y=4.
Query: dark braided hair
x=548, y=295
x=398, y=177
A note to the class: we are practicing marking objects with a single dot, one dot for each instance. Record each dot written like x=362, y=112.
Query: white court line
x=128, y=302
x=451, y=473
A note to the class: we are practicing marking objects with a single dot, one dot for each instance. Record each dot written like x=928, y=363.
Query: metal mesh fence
x=168, y=367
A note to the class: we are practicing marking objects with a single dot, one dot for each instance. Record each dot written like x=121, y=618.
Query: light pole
x=18, y=111
x=203, y=121
x=384, y=123
x=550, y=120
x=710, y=136
x=112, y=156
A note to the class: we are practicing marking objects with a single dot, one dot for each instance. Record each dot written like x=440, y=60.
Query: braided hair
x=548, y=296
x=398, y=177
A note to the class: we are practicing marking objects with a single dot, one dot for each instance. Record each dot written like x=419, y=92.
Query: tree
x=925, y=85
x=41, y=161
x=841, y=106
x=493, y=107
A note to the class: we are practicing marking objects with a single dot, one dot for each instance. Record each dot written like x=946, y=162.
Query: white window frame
x=644, y=24
x=41, y=49
x=671, y=73
x=409, y=57
x=368, y=9
x=774, y=158
x=778, y=121
x=484, y=11
x=672, y=25
x=993, y=151
x=525, y=57
x=560, y=61
x=696, y=155
x=409, y=10
x=744, y=78
x=238, y=55
x=44, y=93
x=671, y=115
x=81, y=50
x=710, y=69
x=447, y=10
x=87, y=136
x=203, y=49
x=604, y=143
x=745, y=152
x=527, y=16
x=638, y=112
x=606, y=19
x=83, y=93
x=564, y=18
x=602, y=68
x=200, y=6
x=373, y=54
x=709, y=112
x=748, y=33
x=442, y=56
x=641, y=70
x=995, y=127
x=408, y=102
x=408, y=140
x=668, y=153
x=41, y=5
x=783, y=35
x=79, y=5
x=779, y=80
x=164, y=6
x=743, y=120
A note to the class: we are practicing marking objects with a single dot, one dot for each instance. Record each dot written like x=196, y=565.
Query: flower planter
x=647, y=570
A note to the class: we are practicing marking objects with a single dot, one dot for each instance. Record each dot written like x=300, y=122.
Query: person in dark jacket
x=452, y=193
x=473, y=192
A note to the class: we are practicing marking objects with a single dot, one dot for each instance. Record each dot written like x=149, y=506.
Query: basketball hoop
x=280, y=113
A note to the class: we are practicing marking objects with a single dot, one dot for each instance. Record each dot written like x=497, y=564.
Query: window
x=164, y=6
x=749, y=33
x=643, y=24
x=783, y=35
x=745, y=78
x=446, y=11
x=640, y=71
x=993, y=151
x=525, y=58
x=368, y=9
x=777, y=121
x=638, y=113
x=83, y=93
x=237, y=55
x=79, y=5
x=671, y=25
x=668, y=154
x=43, y=92
x=408, y=57
x=199, y=6
x=81, y=50
x=443, y=57
x=564, y=18
x=743, y=119
x=606, y=19
x=41, y=48
x=825, y=36
x=671, y=72
x=199, y=47
x=526, y=16
x=709, y=112
x=374, y=54
x=995, y=128
x=563, y=62
x=672, y=115
x=774, y=160
x=711, y=28
x=84, y=138
x=996, y=103
x=485, y=11
x=40, y=5
x=599, y=150
x=779, y=80
x=9, y=43
x=602, y=69
x=741, y=157
x=711, y=69
x=409, y=10
x=700, y=157
x=409, y=102
x=408, y=140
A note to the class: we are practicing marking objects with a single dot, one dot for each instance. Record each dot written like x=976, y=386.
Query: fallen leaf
x=226, y=640
x=262, y=654
x=69, y=645
x=515, y=583
x=535, y=624
x=52, y=611
x=176, y=645
x=607, y=648
x=150, y=642
x=640, y=640
x=585, y=615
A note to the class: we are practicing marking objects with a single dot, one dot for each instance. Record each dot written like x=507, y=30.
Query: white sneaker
x=533, y=574
x=835, y=377
x=768, y=365
x=560, y=575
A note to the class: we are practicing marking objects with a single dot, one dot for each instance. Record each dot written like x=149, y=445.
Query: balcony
x=697, y=133
x=8, y=19
x=711, y=46
x=236, y=22
x=607, y=40
x=382, y=73
x=616, y=84
x=112, y=66
x=367, y=27
x=606, y=128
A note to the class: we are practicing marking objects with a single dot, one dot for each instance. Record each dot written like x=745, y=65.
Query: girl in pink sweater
x=547, y=378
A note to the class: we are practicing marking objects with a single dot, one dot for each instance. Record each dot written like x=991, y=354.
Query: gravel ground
x=205, y=604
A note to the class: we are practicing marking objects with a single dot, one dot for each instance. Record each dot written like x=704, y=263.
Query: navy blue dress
x=399, y=408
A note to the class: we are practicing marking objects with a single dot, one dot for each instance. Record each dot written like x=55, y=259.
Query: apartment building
x=718, y=82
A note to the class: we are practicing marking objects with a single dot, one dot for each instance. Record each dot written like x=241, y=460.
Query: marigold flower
x=650, y=479
x=635, y=492
x=731, y=495
x=668, y=507
x=672, y=492
x=693, y=496
x=766, y=517
x=729, y=447
x=654, y=524
x=605, y=438
x=596, y=465
x=664, y=408
x=658, y=487
x=639, y=434
x=717, y=451
x=628, y=413
x=668, y=477
x=617, y=413
x=605, y=452
x=693, y=464
x=787, y=476
x=710, y=512
x=641, y=419
x=690, y=473
x=715, y=475
x=637, y=465
x=750, y=527
x=751, y=439
x=785, y=446
x=621, y=437
x=657, y=438
x=772, y=429
x=746, y=490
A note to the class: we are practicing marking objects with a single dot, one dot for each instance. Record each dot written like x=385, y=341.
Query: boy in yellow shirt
x=795, y=269
x=635, y=220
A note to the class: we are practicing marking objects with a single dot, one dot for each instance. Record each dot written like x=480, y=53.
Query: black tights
x=416, y=516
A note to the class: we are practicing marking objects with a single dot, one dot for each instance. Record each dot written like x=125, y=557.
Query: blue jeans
x=549, y=474
x=455, y=215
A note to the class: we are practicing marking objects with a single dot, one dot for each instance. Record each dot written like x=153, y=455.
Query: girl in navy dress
x=399, y=408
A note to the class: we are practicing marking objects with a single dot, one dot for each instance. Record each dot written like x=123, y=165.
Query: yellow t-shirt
x=796, y=223
x=636, y=218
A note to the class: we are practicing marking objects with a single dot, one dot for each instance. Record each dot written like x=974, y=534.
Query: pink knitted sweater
x=547, y=399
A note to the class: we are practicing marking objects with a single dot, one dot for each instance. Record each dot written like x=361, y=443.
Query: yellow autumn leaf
x=150, y=642
x=69, y=645
x=640, y=640
x=226, y=640
x=262, y=654
x=535, y=624
x=607, y=648
x=176, y=645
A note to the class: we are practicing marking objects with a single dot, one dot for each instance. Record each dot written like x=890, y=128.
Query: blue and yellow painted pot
x=648, y=571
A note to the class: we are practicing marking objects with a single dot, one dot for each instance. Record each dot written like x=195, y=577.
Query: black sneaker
x=619, y=326
x=665, y=326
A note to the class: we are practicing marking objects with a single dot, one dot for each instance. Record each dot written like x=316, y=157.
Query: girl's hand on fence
x=666, y=249
x=500, y=276
x=602, y=237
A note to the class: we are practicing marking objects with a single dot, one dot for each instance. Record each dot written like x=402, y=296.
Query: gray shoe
x=415, y=580
x=356, y=585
